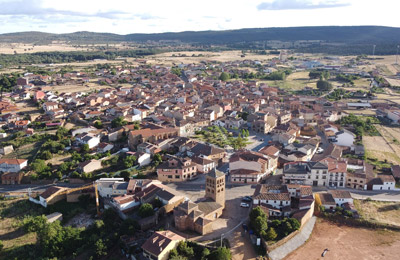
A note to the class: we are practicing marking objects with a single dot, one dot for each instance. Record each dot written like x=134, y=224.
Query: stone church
x=200, y=216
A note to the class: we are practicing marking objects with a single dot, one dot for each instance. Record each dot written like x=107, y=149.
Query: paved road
x=294, y=243
x=364, y=194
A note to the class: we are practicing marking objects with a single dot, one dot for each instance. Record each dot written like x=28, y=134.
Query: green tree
x=224, y=76
x=185, y=250
x=98, y=124
x=46, y=155
x=260, y=224
x=256, y=212
x=205, y=253
x=129, y=161
x=271, y=234
x=294, y=223
x=146, y=210
x=125, y=174
x=173, y=254
x=61, y=133
x=157, y=159
x=1, y=246
x=101, y=248
x=222, y=253
x=324, y=85
x=118, y=122
x=85, y=148
x=39, y=166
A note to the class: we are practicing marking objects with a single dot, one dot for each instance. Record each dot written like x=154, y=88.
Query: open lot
x=11, y=234
x=378, y=148
x=378, y=211
x=348, y=243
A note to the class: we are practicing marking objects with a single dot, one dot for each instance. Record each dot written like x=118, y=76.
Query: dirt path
x=241, y=246
x=348, y=243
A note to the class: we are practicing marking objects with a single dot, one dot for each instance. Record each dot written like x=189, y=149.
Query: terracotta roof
x=13, y=161
x=340, y=194
x=50, y=191
x=160, y=240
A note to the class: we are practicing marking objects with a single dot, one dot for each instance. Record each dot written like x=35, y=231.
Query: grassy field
x=25, y=152
x=12, y=235
x=385, y=147
x=379, y=212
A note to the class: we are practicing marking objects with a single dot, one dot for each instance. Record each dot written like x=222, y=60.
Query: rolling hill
x=338, y=34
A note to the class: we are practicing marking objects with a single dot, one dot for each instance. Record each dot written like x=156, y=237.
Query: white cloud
x=300, y=4
x=151, y=16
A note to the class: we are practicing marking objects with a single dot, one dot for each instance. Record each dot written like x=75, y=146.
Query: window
x=177, y=177
x=176, y=171
x=169, y=176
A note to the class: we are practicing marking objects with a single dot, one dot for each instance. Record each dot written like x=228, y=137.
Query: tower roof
x=215, y=174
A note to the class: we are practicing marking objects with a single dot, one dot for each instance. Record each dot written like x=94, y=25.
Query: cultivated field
x=11, y=48
x=225, y=56
x=378, y=211
x=348, y=243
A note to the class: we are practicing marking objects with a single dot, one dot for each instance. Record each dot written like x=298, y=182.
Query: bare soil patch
x=348, y=243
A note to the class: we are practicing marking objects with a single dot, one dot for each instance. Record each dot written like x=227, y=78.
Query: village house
x=11, y=178
x=251, y=167
x=89, y=166
x=12, y=165
x=158, y=246
x=177, y=170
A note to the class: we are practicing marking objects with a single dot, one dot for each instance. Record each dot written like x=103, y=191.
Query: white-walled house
x=12, y=165
x=105, y=186
x=341, y=197
x=394, y=115
x=382, y=182
x=144, y=159
x=88, y=139
x=345, y=138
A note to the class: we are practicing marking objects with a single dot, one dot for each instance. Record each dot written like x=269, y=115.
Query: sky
x=157, y=16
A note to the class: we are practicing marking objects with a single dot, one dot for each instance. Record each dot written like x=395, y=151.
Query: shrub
x=146, y=210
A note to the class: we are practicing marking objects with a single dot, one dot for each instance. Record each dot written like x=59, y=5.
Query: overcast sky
x=153, y=16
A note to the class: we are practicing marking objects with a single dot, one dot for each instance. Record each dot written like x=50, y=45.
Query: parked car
x=244, y=205
x=246, y=199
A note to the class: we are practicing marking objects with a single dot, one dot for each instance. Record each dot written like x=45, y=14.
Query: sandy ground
x=348, y=243
x=241, y=247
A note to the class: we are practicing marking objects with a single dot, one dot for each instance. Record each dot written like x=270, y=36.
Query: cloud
x=35, y=9
x=299, y=4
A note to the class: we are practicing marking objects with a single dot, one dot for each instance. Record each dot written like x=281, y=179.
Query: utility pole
x=373, y=51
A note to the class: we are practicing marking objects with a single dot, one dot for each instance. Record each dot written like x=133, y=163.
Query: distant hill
x=337, y=34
